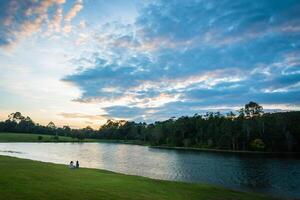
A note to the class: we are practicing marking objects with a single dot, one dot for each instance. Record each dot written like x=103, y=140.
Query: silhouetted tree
x=253, y=109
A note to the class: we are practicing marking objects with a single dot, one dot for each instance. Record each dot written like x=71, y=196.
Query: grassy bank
x=27, y=179
x=29, y=137
x=26, y=137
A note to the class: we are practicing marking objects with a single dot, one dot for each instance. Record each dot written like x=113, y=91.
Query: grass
x=27, y=137
x=27, y=179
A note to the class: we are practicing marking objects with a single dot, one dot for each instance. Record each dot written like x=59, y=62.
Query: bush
x=257, y=145
x=40, y=137
x=55, y=138
x=187, y=142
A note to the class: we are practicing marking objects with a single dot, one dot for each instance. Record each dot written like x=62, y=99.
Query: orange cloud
x=55, y=24
x=83, y=116
x=71, y=14
x=34, y=17
x=73, y=11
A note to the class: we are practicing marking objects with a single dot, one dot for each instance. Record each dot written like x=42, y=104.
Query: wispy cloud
x=83, y=116
x=74, y=10
x=55, y=24
x=71, y=14
x=22, y=19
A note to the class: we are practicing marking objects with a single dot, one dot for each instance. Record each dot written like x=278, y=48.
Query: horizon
x=224, y=114
x=81, y=62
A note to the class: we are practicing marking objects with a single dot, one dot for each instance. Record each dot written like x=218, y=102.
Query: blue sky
x=82, y=62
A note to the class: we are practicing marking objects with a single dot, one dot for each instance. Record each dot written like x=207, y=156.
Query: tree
x=66, y=131
x=51, y=125
x=16, y=117
x=251, y=130
x=67, y=128
x=26, y=125
x=230, y=115
x=52, y=128
x=241, y=113
x=253, y=109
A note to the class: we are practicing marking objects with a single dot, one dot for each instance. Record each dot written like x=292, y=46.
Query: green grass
x=29, y=137
x=27, y=179
x=26, y=137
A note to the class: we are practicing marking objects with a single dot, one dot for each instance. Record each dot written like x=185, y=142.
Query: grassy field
x=27, y=179
x=26, y=137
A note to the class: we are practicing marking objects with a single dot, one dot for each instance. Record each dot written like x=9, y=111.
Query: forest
x=248, y=129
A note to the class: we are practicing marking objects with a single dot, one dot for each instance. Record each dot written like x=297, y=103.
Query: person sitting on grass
x=71, y=166
x=77, y=164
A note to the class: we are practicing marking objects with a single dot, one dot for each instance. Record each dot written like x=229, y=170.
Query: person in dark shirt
x=77, y=164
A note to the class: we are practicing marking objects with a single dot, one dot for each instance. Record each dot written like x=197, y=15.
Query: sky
x=81, y=62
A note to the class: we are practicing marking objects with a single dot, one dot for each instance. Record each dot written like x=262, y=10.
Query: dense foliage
x=249, y=130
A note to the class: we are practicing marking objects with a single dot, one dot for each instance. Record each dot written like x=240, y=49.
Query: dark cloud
x=124, y=112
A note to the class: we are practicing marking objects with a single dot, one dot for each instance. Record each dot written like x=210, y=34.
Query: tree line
x=248, y=129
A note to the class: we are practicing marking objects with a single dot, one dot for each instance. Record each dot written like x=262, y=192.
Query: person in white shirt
x=71, y=165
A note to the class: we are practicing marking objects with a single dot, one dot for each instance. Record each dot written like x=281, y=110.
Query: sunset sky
x=82, y=62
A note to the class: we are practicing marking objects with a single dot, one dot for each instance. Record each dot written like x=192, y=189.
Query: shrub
x=257, y=145
x=55, y=138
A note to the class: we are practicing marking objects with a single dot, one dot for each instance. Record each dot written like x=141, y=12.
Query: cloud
x=83, y=116
x=55, y=24
x=71, y=14
x=67, y=28
x=73, y=11
x=22, y=19
x=124, y=112
x=177, y=57
x=180, y=58
x=223, y=22
x=82, y=24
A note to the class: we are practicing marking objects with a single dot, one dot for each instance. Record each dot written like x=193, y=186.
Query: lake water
x=275, y=175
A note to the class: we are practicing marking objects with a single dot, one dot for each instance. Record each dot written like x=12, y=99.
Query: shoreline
x=138, y=187
x=221, y=150
x=32, y=138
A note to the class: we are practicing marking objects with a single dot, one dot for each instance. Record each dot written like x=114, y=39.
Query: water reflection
x=273, y=174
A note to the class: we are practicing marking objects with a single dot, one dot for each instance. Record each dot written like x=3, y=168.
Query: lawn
x=27, y=137
x=27, y=179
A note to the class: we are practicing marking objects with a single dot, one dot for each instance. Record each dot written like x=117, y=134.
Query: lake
x=278, y=175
